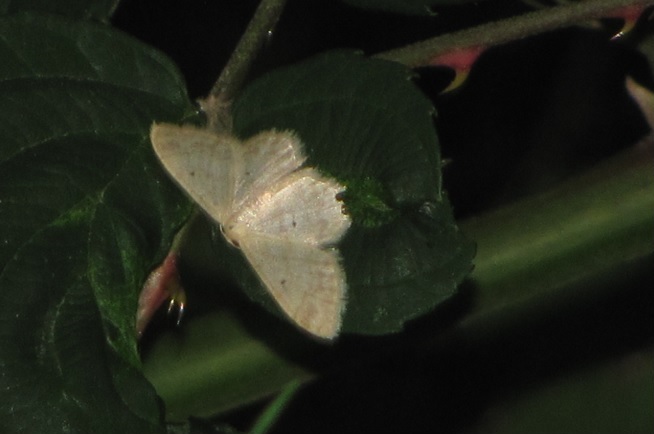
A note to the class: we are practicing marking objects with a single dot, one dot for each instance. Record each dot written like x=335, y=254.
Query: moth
x=285, y=218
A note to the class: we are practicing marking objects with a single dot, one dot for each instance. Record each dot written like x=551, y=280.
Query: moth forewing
x=286, y=219
x=201, y=163
x=301, y=207
x=306, y=281
x=266, y=158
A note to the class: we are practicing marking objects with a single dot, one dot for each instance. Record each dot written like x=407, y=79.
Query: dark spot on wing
x=229, y=240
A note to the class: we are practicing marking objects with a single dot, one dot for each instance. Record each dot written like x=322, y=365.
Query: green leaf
x=100, y=10
x=408, y=7
x=565, y=252
x=85, y=213
x=364, y=123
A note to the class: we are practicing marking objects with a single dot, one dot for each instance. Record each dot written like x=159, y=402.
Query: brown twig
x=217, y=104
x=425, y=52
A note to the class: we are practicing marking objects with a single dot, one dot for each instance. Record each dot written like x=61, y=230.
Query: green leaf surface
x=532, y=267
x=100, y=10
x=85, y=213
x=408, y=7
x=364, y=123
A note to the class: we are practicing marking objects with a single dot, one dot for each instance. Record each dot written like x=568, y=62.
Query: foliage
x=562, y=228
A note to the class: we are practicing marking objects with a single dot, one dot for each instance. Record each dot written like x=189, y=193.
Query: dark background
x=531, y=114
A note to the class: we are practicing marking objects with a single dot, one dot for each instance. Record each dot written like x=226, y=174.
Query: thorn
x=162, y=284
x=630, y=15
x=626, y=28
x=461, y=60
x=459, y=78
x=180, y=313
x=177, y=298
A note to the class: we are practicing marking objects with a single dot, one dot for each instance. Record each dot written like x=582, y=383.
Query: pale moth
x=285, y=218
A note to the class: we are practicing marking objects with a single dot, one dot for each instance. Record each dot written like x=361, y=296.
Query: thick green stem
x=527, y=253
x=579, y=229
x=510, y=29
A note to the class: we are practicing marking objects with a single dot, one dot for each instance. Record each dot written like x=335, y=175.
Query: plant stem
x=583, y=226
x=533, y=254
x=424, y=53
x=270, y=415
x=217, y=104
